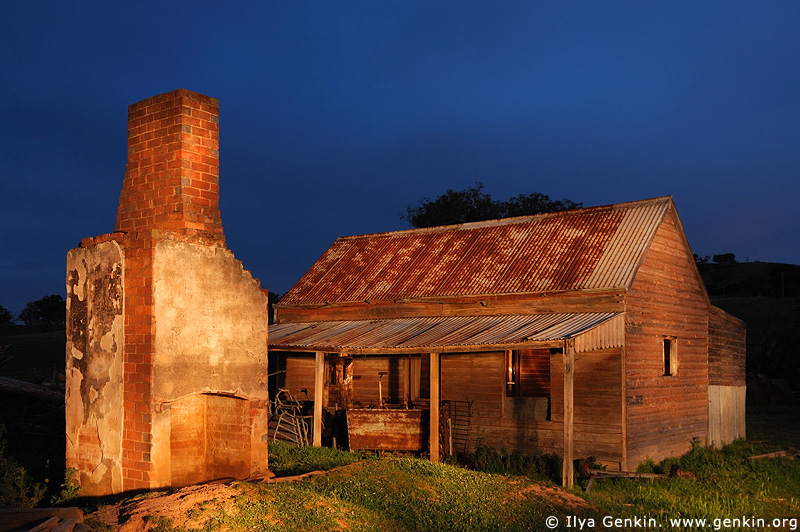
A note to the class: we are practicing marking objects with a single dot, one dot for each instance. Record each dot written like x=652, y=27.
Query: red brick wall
x=172, y=185
x=172, y=176
x=138, y=362
x=188, y=440
x=228, y=437
x=209, y=438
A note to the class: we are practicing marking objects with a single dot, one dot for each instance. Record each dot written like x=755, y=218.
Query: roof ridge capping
x=513, y=219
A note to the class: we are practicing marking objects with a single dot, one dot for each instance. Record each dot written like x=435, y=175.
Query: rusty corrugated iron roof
x=597, y=247
x=431, y=333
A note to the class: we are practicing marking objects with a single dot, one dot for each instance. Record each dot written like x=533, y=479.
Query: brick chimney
x=166, y=332
x=172, y=177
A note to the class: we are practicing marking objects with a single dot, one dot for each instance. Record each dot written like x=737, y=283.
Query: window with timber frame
x=528, y=384
x=669, y=351
x=528, y=372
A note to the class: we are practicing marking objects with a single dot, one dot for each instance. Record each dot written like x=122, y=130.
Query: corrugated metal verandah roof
x=438, y=333
x=596, y=247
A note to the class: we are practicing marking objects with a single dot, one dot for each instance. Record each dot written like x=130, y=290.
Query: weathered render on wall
x=94, y=366
x=207, y=333
x=166, y=357
x=206, y=330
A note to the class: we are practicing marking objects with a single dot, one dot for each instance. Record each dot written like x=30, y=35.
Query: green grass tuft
x=546, y=467
x=287, y=460
x=725, y=484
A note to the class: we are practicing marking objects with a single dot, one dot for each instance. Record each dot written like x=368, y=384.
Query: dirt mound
x=180, y=507
x=193, y=507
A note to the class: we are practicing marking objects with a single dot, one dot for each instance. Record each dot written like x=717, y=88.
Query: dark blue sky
x=335, y=116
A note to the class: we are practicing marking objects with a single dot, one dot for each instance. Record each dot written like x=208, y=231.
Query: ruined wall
x=211, y=330
x=206, y=328
x=94, y=408
x=161, y=312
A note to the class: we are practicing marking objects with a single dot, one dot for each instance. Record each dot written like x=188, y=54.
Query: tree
x=6, y=318
x=49, y=311
x=272, y=299
x=725, y=258
x=474, y=205
x=536, y=203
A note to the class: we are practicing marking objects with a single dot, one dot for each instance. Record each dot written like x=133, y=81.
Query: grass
x=389, y=494
x=776, y=424
x=33, y=354
x=407, y=494
x=286, y=460
x=725, y=484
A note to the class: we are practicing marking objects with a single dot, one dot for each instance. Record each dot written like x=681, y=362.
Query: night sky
x=336, y=116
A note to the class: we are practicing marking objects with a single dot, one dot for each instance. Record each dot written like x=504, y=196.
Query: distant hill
x=766, y=296
x=751, y=279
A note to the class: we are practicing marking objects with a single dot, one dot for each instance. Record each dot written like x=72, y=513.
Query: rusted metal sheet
x=387, y=429
x=597, y=247
x=606, y=335
x=432, y=333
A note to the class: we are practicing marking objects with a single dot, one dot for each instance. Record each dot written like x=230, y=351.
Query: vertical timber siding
x=597, y=417
x=664, y=413
x=726, y=414
x=393, y=385
x=727, y=388
x=481, y=378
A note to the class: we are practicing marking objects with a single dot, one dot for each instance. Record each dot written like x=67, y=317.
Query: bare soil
x=178, y=506
x=181, y=506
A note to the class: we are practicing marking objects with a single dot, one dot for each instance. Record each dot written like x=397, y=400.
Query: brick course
x=170, y=193
x=171, y=185
x=172, y=177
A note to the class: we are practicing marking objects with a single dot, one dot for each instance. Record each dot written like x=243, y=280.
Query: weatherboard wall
x=727, y=349
x=664, y=413
x=727, y=387
x=500, y=421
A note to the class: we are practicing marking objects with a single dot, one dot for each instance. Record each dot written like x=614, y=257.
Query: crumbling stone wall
x=94, y=366
x=208, y=333
x=160, y=312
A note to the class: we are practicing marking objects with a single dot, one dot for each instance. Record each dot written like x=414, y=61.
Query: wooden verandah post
x=319, y=374
x=568, y=357
x=433, y=439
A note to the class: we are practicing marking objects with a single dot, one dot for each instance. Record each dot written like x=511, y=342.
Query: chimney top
x=172, y=176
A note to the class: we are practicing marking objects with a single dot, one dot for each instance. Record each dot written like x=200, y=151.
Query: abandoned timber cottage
x=583, y=333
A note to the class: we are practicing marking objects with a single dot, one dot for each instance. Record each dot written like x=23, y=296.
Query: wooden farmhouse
x=584, y=333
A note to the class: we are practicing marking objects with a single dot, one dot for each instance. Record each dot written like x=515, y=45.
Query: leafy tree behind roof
x=474, y=205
